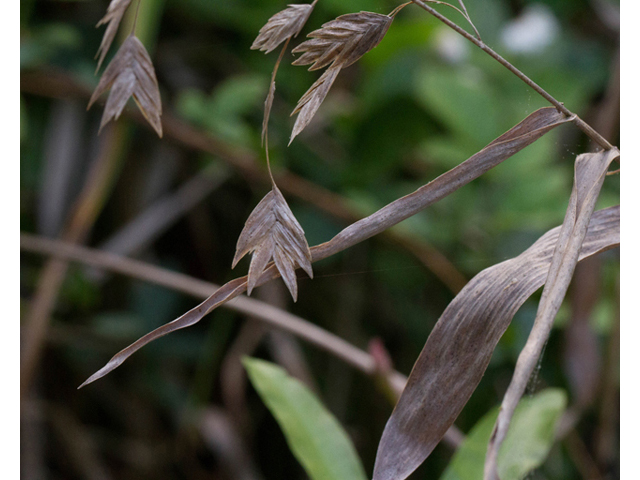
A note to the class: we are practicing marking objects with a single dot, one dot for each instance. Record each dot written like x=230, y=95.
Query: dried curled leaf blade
x=461, y=344
x=113, y=17
x=283, y=25
x=540, y=122
x=590, y=172
x=130, y=74
x=224, y=294
x=272, y=231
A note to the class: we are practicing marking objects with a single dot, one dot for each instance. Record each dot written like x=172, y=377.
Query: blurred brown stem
x=84, y=213
x=64, y=252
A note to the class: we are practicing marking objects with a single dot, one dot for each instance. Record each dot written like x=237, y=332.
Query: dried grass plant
x=460, y=346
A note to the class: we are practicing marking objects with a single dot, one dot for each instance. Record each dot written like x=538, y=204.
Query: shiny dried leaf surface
x=113, y=17
x=130, y=73
x=589, y=174
x=272, y=232
x=461, y=345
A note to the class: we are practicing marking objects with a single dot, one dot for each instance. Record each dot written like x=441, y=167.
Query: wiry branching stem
x=581, y=124
x=466, y=15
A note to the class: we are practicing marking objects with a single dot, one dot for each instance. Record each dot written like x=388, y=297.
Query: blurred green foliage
x=407, y=112
x=531, y=435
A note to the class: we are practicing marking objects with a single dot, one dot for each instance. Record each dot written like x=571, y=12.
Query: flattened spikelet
x=310, y=102
x=113, y=17
x=281, y=26
x=130, y=73
x=343, y=40
x=271, y=231
x=339, y=43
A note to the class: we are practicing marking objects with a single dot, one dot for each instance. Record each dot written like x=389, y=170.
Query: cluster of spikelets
x=271, y=232
x=130, y=73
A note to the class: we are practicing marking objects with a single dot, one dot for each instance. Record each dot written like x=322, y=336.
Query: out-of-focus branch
x=87, y=207
x=275, y=317
x=57, y=84
x=198, y=288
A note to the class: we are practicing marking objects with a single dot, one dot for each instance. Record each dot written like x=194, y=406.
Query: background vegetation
x=417, y=105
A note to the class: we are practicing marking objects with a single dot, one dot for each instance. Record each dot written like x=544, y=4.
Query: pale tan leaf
x=283, y=25
x=113, y=17
x=130, y=73
x=343, y=40
x=590, y=172
x=461, y=344
x=271, y=231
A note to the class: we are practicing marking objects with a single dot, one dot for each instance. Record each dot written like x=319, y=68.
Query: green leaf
x=464, y=100
x=223, y=111
x=527, y=444
x=314, y=435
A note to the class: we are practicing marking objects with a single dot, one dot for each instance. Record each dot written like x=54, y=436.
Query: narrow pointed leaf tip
x=113, y=17
x=130, y=73
x=338, y=44
x=272, y=232
x=285, y=24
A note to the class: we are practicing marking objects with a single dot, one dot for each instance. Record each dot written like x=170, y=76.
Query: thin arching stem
x=581, y=124
x=135, y=18
x=268, y=107
x=466, y=15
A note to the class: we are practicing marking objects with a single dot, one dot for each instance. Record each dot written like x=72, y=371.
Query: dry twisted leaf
x=339, y=43
x=462, y=343
x=271, y=231
x=130, y=73
x=113, y=17
x=283, y=25
x=520, y=136
x=590, y=170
